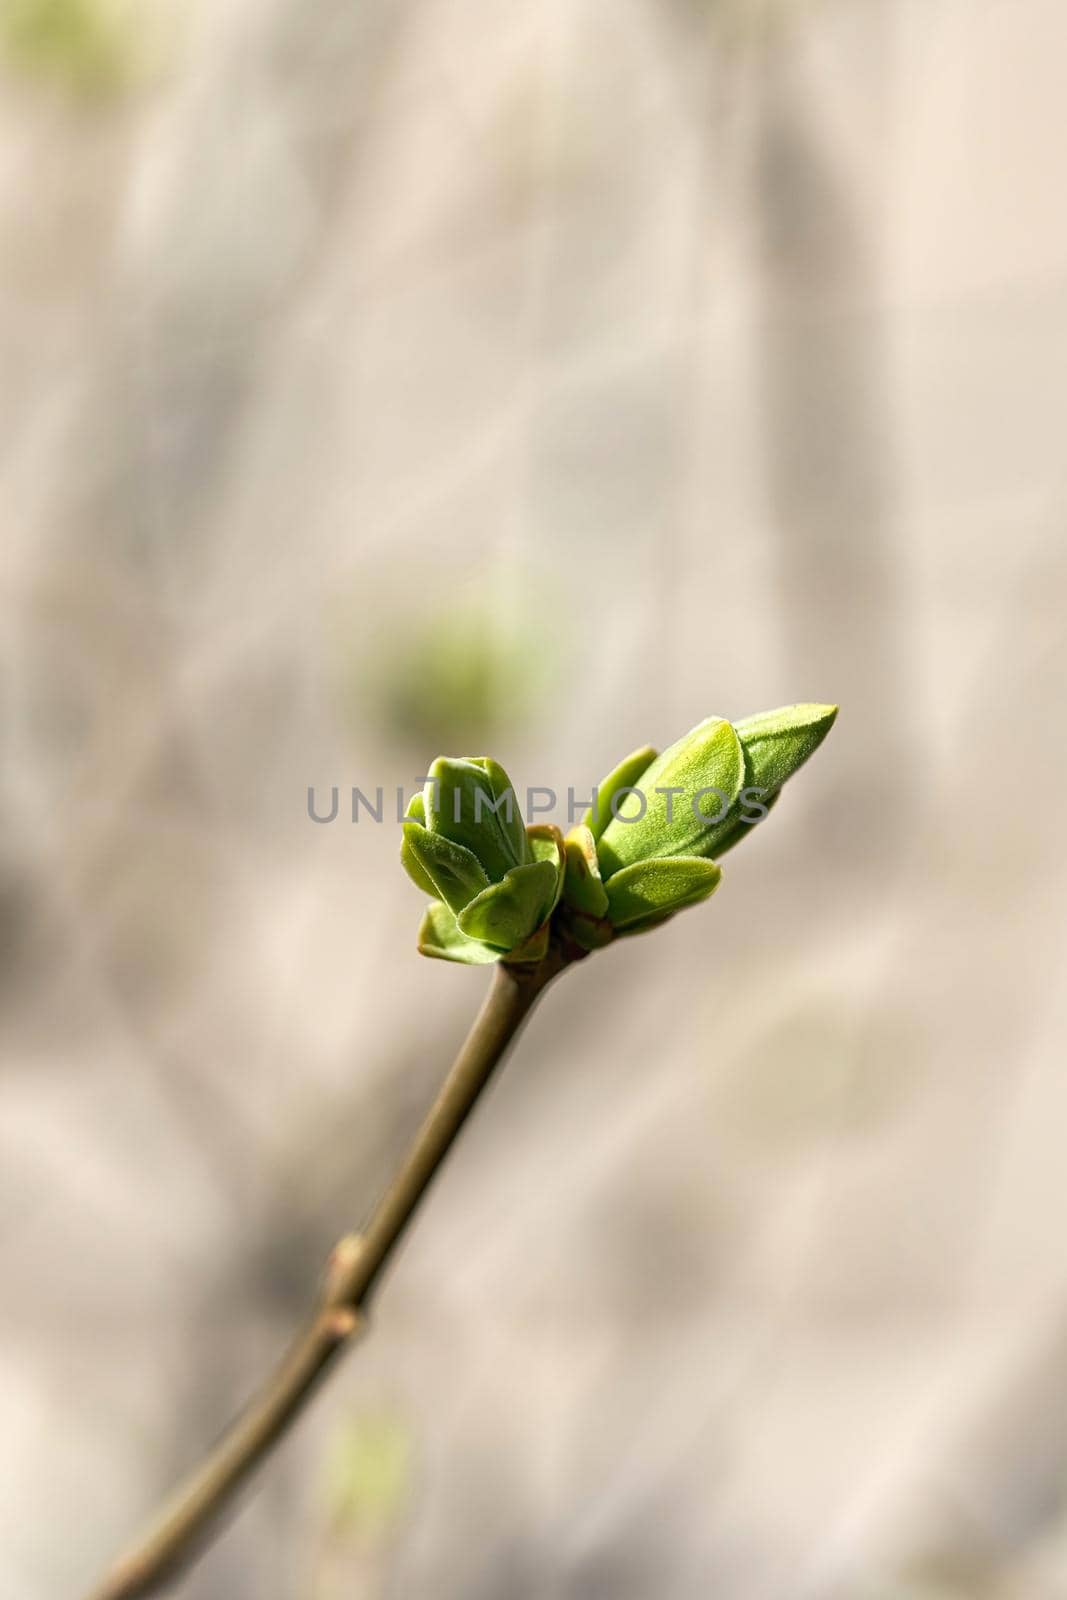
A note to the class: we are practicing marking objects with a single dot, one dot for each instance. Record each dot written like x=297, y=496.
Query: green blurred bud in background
x=494, y=882
x=91, y=49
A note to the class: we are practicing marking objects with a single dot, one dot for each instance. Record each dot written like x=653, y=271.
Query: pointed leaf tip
x=777, y=743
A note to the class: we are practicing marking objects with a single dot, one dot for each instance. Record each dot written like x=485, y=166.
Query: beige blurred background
x=382, y=377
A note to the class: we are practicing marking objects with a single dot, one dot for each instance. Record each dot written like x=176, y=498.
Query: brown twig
x=187, y=1521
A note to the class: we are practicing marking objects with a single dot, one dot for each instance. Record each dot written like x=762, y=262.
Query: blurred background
x=389, y=377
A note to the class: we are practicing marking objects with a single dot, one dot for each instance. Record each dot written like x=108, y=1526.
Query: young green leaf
x=582, y=887
x=452, y=872
x=439, y=936
x=658, y=888
x=507, y=913
x=705, y=771
x=624, y=776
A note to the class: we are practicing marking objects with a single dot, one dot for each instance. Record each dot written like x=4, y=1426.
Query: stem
x=187, y=1521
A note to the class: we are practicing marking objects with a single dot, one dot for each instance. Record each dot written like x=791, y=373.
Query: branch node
x=340, y=1288
x=340, y=1322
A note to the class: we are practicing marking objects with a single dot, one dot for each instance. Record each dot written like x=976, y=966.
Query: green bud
x=472, y=803
x=640, y=857
x=494, y=882
x=643, y=852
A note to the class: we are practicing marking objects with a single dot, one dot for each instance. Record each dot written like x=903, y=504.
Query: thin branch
x=189, y=1519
